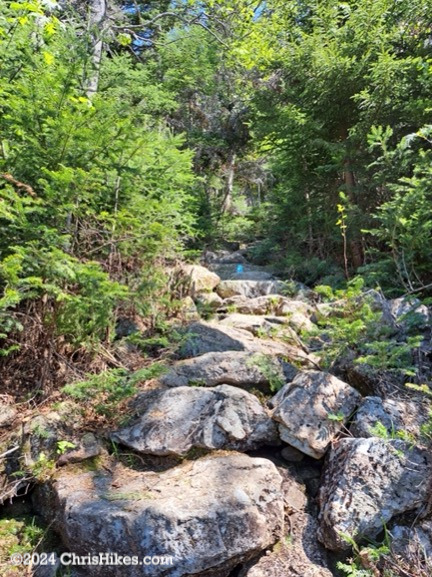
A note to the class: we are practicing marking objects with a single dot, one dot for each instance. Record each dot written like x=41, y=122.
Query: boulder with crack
x=312, y=409
x=238, y=368
x=366, y=483
x=207, y=515
x=176, y=420
x=298, y=554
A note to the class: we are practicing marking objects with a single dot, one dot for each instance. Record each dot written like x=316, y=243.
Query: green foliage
x=269, y=369
x=390, y=354
x=17, y=535
x=405, y=220
x=95, y=191
x=64, y=446
x=426, y=428
x=353, y=323
x=104, y=391
x=381, y=431
x=340, y=85
x=42, y=468
x=365, y=560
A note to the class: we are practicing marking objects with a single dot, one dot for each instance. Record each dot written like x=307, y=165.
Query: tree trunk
x=227, y=201
x=97, y=14
x=354, y=244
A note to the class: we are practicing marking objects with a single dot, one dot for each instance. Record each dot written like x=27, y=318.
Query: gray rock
x=255, y=324
x=208, y=515
x=413, y=544
x=292, y=455
x=366, y=483
x=249, y=288
x=298, y=554
x=297, y=313
x=51, y=569
x=312, y=409
x=282, y=327
x=409, y=310
x=395, y=415
x=188, y=309
x=87, y=448
x=7, y=412
x=369, y=380
x=209, y=300
x=201, y=278
x=202, y=337
x=176, y=420
x=238, y=368
x=225, y=257
x=380, y=304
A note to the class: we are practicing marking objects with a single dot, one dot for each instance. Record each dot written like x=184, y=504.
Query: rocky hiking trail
x=258, y=463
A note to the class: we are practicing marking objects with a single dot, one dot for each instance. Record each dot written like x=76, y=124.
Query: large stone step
x=208, y=515
x=173, y=421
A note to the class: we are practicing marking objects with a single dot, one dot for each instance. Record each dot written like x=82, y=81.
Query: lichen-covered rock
x=250, y=288
x=396, y=416
x=312, y=409
x=238, y=368
x=176, y=420
x=87, y=447
x=208, y=515
x=365, y=483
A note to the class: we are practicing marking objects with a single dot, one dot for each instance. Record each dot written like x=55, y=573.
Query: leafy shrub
x=354, y=324
x=105, y=390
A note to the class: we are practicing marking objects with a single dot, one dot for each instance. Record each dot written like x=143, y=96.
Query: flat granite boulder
x=366, y=483
x=237, y=368
x=258, y=325
x=312, y=409
x=250, y=288
x=208, y=515
x=297, y=313
x=176, y=420
x=212, y=337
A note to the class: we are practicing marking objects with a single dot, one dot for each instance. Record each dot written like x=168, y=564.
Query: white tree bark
x=97, y=14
